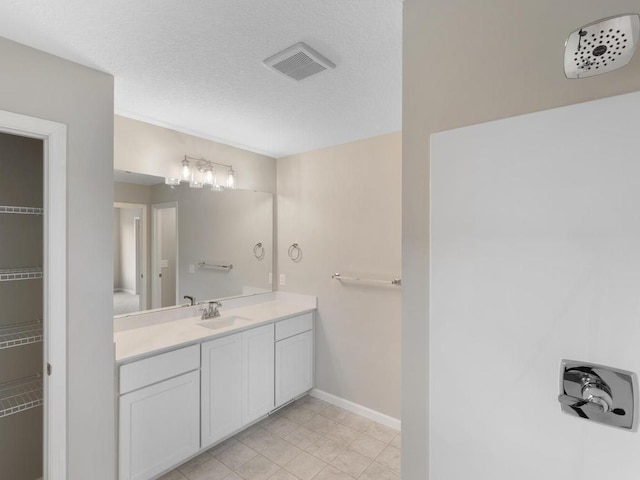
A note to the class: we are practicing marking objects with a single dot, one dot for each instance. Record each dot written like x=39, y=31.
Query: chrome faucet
x=212, y=311
x=191, y=299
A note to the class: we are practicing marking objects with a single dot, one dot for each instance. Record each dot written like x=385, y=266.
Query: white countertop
x=161, y=335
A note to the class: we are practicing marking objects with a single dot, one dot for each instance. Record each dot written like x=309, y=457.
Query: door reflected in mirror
x=175, y=241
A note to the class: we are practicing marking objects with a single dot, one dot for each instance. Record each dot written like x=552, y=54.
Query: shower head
x=601, y=46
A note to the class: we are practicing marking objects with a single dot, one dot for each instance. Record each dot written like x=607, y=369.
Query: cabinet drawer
x=293, y=326
x=154, y=369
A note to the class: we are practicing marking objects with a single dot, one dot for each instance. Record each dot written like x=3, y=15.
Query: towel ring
x=295, y=252
x=258, y=251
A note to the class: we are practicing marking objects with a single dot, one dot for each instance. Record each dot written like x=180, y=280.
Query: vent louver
x=298, y=62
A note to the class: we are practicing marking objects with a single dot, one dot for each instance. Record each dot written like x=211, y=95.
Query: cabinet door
x=257, y=375
x=221, y=388
x=159, y=426
x=294, y=367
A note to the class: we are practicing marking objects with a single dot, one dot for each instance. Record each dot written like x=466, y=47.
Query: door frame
x=143, y=254
x=54, y=137
x=156, y=285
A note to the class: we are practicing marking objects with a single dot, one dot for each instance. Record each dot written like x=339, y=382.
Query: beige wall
x=221, y=227
x=144, y=148
x=486, y=60
x=40, y=85
x=342, y=206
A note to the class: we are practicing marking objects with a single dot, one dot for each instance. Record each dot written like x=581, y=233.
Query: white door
x=258, y=372
x=164, y=255
x=159, y=426
x=294, y=367
x=221, y=394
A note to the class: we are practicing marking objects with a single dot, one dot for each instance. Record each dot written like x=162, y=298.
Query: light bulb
x=231, y=180
x=209, y=177
x=187, y=174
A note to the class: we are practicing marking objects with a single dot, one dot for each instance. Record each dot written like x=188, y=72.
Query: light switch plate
x=192, y=268
x=283, y=280
x=164, y=263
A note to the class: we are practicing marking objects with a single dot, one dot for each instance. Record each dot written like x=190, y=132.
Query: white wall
x=40, y=85
x=534, y=258
x=342, y=206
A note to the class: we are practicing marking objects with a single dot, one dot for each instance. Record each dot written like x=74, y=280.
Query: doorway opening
x=33, y=306
x=129, y=258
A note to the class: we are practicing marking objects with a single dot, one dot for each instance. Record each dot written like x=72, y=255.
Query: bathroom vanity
x=186, y=384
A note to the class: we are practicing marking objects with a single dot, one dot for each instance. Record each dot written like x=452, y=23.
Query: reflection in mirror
x=177, y=241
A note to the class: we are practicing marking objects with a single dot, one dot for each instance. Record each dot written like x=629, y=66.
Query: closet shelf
x=20, y=395
x=27, y=273
x=21, y=210
x=16, y=335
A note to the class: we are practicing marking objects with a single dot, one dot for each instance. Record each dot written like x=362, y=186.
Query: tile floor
x=309, y=439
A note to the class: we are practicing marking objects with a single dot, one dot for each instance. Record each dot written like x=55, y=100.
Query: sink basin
x=224, y=322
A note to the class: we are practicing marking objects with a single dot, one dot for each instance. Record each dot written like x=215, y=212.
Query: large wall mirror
x=175, y=241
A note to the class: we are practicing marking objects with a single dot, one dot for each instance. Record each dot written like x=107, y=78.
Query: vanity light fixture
x=186, y=172
x=202, y=174
x=209, y=177
x=231, y=179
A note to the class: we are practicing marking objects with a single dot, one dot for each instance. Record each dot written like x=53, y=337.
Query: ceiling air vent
x=298, y=62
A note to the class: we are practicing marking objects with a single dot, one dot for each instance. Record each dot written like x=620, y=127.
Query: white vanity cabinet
x=237, y=382
x=294, y=358
x=257, y=373
x=175, y=404
x=159, y=413
x=221, y=397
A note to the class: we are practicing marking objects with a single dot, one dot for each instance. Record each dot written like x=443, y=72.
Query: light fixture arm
x=204, y=162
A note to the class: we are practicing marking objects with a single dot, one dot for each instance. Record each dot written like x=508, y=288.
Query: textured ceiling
x=197, y=67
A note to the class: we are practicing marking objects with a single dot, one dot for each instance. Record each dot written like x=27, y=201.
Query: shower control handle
x=583, y=404
x=594, y=391
x=598, y=393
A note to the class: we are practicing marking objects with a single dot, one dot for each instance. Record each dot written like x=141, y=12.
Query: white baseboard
x=356, y=408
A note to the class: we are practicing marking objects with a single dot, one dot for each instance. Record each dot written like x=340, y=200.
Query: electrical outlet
x=283, y=280
x=270, y=278
x=192, y=268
